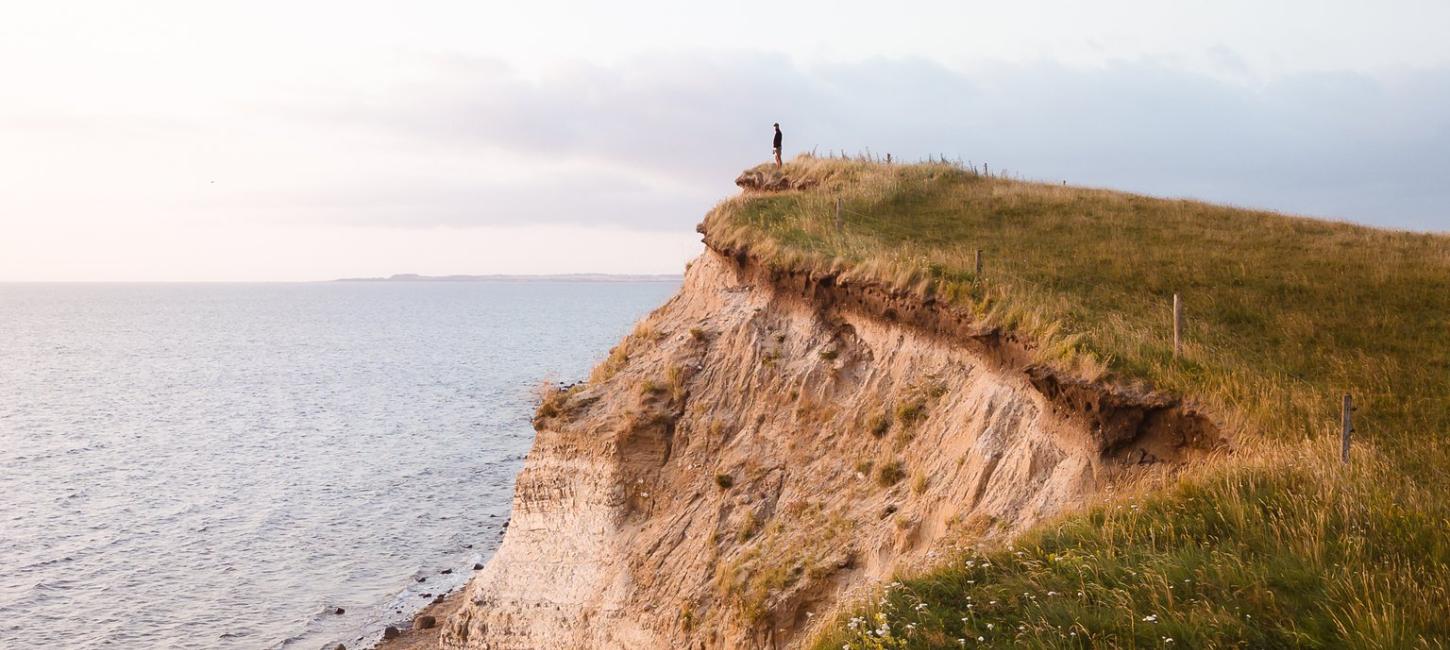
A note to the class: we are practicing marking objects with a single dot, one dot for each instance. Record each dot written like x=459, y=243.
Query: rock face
x=858, y=436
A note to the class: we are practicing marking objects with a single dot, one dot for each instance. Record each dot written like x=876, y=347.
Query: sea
x=269, y=465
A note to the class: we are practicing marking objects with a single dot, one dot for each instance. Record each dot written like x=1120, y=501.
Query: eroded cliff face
x=765, y=443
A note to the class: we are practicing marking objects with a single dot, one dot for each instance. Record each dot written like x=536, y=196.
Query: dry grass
x=775, y=560
x=890, y=473
x=643, y=335
x=1282, y=547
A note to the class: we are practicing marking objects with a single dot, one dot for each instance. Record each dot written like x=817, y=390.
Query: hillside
x=1274, y=545
x=837, y=398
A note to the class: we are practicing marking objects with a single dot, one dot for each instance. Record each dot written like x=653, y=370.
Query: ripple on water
x=204, y=466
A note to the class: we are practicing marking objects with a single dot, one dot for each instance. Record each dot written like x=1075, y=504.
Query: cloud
x=652, y=143
x=1334, y=144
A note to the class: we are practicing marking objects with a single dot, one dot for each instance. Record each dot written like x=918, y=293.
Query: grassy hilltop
x=1274, y=545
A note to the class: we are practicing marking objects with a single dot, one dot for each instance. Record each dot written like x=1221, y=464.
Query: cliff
x=769, y=440
x=842, y=396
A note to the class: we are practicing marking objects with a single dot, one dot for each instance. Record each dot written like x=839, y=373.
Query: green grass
x=1282, y=546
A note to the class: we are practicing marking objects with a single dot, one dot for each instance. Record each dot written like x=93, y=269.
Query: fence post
x=840, y=226
x=1346, y=427
x=979, y=262
x=1177, y=326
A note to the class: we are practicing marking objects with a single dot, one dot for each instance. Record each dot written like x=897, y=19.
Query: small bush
x=918, y=484
x=829, y=354
x=935, y=390
x=675, y=379
x=879, y=424
x=912, y=411
x=890, y=473
x=553, y=400
x=725, y=481
x=697, y=334
x=748, y=528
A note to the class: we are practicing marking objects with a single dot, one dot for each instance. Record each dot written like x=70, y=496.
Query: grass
x=1282, y=546
x=879, y=424
x=749, y=582
x=890, y=473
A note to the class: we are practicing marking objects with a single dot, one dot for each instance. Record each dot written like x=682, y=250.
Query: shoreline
x=415, y=638
x=405, y=608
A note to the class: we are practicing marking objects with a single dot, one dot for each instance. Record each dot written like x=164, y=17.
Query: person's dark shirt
x=777, y=139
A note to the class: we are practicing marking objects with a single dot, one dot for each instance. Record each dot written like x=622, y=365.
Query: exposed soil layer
x=1122, y=422
x=770, y=440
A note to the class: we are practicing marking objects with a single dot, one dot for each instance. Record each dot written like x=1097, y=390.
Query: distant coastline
x=563, y=277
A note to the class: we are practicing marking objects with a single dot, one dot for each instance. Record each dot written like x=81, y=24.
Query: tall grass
x=1284, y=314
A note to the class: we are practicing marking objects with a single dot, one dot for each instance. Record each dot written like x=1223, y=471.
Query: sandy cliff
x=768, y=441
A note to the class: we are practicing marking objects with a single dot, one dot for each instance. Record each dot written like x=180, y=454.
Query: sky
x=278, y=141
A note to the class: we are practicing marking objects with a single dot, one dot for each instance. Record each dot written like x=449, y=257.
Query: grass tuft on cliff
x=1277, y=545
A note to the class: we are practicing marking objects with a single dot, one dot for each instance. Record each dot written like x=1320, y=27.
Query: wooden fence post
x=1346, y=427
x=1177, y=326
x=979, y=262
x=840, y=225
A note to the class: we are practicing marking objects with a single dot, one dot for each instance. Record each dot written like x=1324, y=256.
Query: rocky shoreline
x=422, y=633
x=409, y=624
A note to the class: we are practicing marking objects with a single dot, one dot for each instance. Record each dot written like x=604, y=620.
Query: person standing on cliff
x=775, y=145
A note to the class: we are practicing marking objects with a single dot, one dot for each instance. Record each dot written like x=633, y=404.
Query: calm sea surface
x=223, y=466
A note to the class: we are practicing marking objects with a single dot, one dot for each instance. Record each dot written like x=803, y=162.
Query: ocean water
x=225, y=465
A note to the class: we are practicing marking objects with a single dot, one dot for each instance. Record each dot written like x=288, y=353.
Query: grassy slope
x=1277, y=545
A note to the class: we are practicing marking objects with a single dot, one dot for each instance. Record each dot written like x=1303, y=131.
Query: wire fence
x=983, y=271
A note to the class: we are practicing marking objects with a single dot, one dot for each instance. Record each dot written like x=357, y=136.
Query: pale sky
x=194, y=141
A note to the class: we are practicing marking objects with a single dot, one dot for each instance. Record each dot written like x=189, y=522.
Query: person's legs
x=777, y=157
